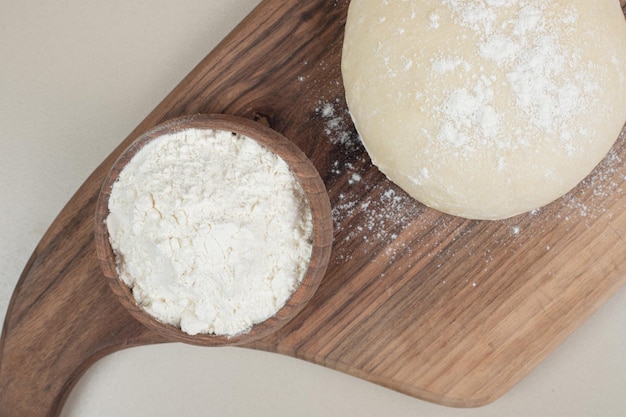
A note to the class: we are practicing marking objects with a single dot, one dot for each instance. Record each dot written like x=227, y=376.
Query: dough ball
x=486, y=109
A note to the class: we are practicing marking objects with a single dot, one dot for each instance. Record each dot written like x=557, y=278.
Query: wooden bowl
x=305, y=173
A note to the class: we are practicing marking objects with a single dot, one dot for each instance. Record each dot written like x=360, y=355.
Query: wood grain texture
x=445, y=309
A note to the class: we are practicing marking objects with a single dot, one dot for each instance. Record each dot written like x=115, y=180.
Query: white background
x=75, y=78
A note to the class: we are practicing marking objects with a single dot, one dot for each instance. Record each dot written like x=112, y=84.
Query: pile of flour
x=212, y=231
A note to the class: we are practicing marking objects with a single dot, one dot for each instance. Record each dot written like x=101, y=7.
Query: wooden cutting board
x=441, y=308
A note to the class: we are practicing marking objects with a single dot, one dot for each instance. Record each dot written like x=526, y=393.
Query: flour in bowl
x=211, y=230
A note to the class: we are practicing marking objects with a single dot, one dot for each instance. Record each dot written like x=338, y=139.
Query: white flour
x=211, y=231
x=535, y=61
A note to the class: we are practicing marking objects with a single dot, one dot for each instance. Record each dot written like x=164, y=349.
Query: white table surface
x=75, y=78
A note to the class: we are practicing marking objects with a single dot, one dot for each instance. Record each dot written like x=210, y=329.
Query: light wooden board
x=444, y=309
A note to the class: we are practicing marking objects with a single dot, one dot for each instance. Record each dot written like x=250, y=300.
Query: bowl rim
x=305, y=173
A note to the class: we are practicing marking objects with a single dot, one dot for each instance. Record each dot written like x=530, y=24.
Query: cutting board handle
x=61, y=319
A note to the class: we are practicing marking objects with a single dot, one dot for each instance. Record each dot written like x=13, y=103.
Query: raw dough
x=486, y=108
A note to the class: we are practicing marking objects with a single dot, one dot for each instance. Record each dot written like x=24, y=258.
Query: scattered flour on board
x=365, y=220
x=536, y=60
x=381, y=212
x=337, y=127
x=606, y=181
